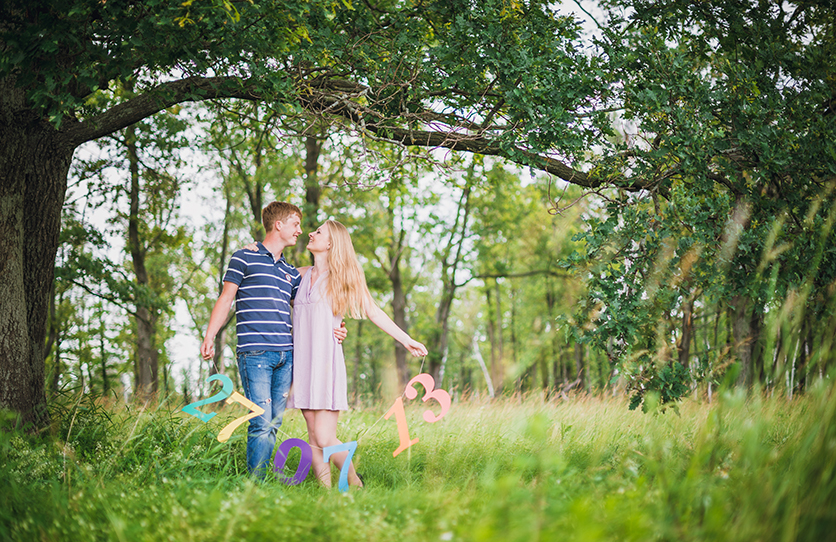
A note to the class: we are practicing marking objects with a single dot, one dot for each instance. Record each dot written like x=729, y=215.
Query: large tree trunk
x=33, y=179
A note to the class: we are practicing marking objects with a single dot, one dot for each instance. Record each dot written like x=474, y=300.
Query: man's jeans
x=265, y=377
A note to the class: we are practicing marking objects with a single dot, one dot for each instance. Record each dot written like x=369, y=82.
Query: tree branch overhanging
x=326, y=96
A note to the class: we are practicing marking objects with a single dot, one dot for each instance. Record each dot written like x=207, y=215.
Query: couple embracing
x=278, y=345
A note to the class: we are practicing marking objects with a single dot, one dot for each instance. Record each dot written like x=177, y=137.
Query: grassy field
x=741, y=468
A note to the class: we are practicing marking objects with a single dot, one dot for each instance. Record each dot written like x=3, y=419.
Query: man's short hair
x=277, y=211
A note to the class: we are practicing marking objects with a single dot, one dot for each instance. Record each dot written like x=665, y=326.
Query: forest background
x=656, y=221
x=578, y=220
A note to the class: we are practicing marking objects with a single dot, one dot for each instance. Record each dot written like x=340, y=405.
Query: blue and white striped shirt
x=262, y=303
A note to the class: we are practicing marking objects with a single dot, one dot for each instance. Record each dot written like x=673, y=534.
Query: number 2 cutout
x=255, y=410
x=439, y=395
x=218, y=397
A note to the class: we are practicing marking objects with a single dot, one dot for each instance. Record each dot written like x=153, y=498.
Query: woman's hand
x=417, y=349
x=252, y=247
x=340, y=333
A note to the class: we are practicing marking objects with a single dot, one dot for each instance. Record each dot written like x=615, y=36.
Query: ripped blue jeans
x=266, y=378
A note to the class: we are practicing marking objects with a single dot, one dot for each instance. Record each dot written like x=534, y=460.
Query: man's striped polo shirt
x=262, y=303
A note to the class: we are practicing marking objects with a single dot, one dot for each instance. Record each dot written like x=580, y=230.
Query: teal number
x=218, y=397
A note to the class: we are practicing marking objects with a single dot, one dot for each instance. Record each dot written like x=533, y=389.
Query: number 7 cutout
x=255, y=410
x=350, y=447
x=439, y=395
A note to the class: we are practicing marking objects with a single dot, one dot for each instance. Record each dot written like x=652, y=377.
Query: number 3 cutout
x=439, y=395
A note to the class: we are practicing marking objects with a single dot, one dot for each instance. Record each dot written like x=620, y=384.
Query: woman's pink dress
x=319, y=380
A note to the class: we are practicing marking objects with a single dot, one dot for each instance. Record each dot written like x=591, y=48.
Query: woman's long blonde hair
x=347, y=290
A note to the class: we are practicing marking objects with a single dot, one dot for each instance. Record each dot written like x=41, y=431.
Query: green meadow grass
x=587, y=468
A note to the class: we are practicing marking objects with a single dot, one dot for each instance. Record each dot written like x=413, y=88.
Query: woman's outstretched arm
x=382, y=320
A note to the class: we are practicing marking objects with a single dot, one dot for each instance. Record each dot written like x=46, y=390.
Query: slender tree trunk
x=358, y=358
x=399, y=317
x=147, y=359
x=439, y=337
x=33, y=180
x=438, y=340
x=498, y=362
x=687, y=330
x=491, y=328
x=743, y=338
x=492, y=296
x=103, y=355
x=254, y=189
x=220, y=338
x=477, y=353
x=313, y=191
x=579, y=366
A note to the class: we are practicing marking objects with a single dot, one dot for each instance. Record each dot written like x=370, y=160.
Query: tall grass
x=741, y=468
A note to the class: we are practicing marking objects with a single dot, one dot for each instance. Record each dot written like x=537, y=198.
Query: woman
x=330, y=289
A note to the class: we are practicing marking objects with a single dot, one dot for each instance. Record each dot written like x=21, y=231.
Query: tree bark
x=34, y=163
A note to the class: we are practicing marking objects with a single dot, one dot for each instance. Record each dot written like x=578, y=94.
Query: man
x=262, y=284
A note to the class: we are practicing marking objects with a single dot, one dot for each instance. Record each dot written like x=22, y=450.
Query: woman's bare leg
x=322, y=470
x=325, y=434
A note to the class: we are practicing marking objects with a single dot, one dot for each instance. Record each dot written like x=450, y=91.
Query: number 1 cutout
x=255, y=410
x=403, y=429
x=439, y=395
x=218, y=397
x=345, y=446
x=305, y=462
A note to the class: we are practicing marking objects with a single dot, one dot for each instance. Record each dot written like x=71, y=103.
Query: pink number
x=439, y=395
x=403, y=430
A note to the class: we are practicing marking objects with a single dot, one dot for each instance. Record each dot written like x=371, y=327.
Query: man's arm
x=219, y=312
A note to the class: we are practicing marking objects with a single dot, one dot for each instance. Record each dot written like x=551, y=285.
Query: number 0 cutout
x=218, y=397
x=430, y=392
x=280, y=460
